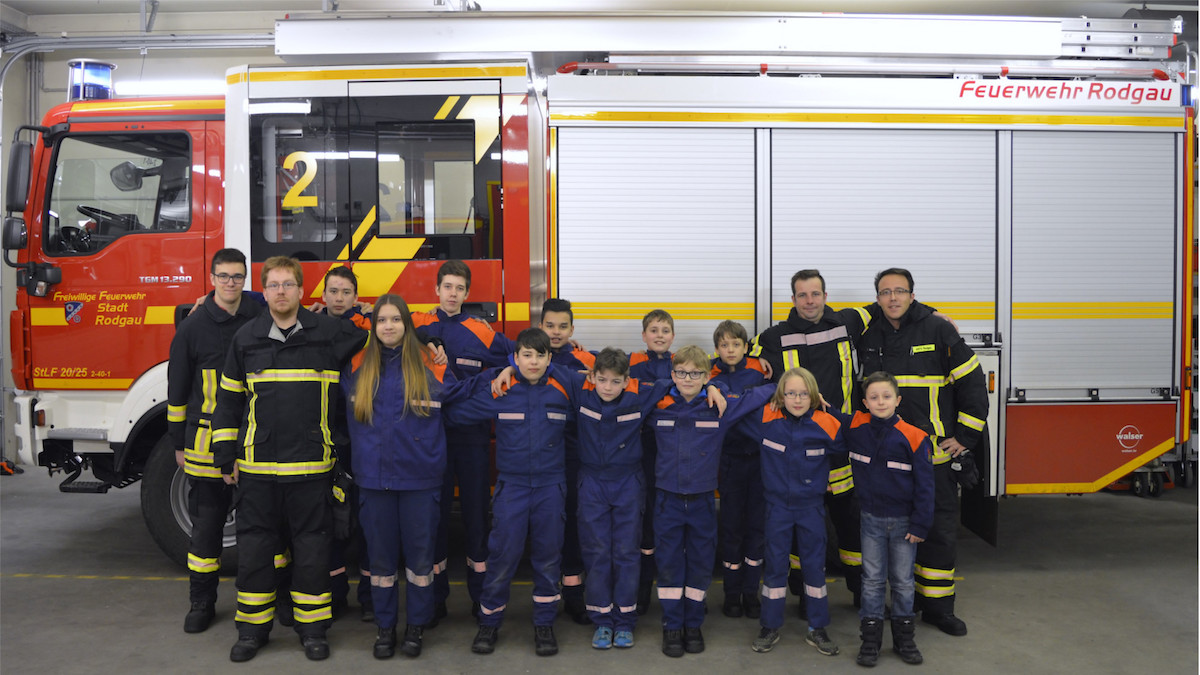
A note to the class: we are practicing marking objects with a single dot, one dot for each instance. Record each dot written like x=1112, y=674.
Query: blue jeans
x=884, y=548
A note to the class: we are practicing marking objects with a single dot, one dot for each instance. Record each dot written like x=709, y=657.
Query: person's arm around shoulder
x=475, y=403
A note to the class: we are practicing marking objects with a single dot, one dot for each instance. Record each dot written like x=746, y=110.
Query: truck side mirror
x=126, y=177
x=17, y=190
x=14, y=237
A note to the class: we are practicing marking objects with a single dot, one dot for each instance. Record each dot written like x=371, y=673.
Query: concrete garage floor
x=1103, y=583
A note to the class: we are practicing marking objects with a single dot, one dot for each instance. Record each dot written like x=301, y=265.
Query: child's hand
x=196, y=305
x=438, y=352
x=502, y=381
x=912, y=538
x=575, y=344
x=766, y=366
x=715, y=398
x=316, y=307
x=365, y=307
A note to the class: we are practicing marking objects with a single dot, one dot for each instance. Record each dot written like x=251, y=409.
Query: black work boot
x=316, y=647
x=412, y=640
x=544, y=642
x=385, y=643
x=902, y=641
x=574, y=604
x=751, y=606
x=732, y=607
x=246, y=647
x=871, y=632
x=199, y=617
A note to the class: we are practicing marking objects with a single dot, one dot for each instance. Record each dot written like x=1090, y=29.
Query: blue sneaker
x=603, y=638
x=623, y=639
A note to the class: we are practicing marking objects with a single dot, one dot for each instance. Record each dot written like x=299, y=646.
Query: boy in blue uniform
x=651, y=365
x=558, y=322
x=893, y=474
x=689, y=436
x=471, y=346
x=739, y=481
x=531, y=420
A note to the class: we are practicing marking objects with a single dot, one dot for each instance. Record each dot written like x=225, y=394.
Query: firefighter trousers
x=843, y=511
x=269, y=514
x=469, y=467
x=610, y=521
x=395, y=521
x=936, y=555
x=807, y=526
x=685, y=545
x=208, y=507
x=518, y=512
x=740, y=521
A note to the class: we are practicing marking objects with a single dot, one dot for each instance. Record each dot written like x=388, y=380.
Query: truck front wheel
x=165, y=489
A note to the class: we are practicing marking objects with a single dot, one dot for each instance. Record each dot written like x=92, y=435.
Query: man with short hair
x=197, y=354
x=280, y=375
x=944, y=393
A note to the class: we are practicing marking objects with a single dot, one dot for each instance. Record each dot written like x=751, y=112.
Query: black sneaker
x=198, y=617
x=818, y=638
x=385, y=643
x=246, y=648
x=693, y=640
x=766, y=640
x=672, y=642
x=315, y=648
x=544, y=642
x=485, y=640
x=947, y=623
x=412, y=640
x=751, y=606
x=732, y=607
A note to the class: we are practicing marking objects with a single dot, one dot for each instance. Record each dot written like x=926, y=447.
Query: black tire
x=1155, y=485
x=164, y=508
x=1138, y=487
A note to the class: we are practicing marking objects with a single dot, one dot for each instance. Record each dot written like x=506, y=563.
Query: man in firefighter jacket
x=197, y=356
x=944, y=393
x=279, y=381
x=822, y=340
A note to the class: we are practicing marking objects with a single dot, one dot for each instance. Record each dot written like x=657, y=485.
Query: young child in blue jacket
x=797, y=439
x=394, y=393
x=739, y=480
x=689, y=436
x=530, y=492
x=893, y=475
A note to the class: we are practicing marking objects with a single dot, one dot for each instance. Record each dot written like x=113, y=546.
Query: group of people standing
x=597, y=454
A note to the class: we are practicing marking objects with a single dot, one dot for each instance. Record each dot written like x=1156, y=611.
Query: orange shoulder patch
x=666, y=402
x=828, y=422
x=771, y=414
x=586, y=358
x=356, y=361
x=638, y=357
x=860, y=418
x=423, y=318
x=914, y=435
x=557, y=385
x=503, y=387
x=481, y=330
x=632, y=385
x=753, y=364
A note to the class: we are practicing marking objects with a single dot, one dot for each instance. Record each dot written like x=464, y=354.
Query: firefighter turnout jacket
x=278, y=392
x=942, y=384
x=198, y=353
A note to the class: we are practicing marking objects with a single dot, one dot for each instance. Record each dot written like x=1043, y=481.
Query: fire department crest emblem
x=72, y=311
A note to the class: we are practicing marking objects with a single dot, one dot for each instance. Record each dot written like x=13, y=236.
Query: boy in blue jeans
x=689, y=436
x=531, y=486
x=893, y=475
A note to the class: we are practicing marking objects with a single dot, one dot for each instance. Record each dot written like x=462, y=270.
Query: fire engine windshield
x=108, y=186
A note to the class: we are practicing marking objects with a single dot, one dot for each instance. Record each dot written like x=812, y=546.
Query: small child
x=689, y=436
x=651, y=365
x=530, y=486
x=893, y=475
x=740, y=481
x=798, y=439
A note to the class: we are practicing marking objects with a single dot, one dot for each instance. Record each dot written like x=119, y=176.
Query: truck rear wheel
x=165, y=489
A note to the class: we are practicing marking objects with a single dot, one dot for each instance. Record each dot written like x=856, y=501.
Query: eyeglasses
x=688, y=374
x=226, y=278
x=276, y=286
x=795, y=395
x=898, y=292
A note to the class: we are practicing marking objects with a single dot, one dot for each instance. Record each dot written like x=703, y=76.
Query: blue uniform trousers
x=685, y=536
x=808, y=526
x=468, y=466
x=610, y=523
x=741, y=521
x=518, y=511
x=395, y=521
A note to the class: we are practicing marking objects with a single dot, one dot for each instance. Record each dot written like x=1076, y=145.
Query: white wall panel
x=655, y=218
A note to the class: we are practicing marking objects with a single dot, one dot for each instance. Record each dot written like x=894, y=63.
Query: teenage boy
x=197, y=355
x=689, y=436
x=945, y=395
x=340, y=295
x=558, y=322
x=739, y=481
x=893, y=472
x=530, y=487
x=471, y=346
x=281, y=372
x=651, y=365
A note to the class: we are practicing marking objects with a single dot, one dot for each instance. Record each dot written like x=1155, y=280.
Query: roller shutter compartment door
x=655, y=217
x=1093, y=264
x=852, y=202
